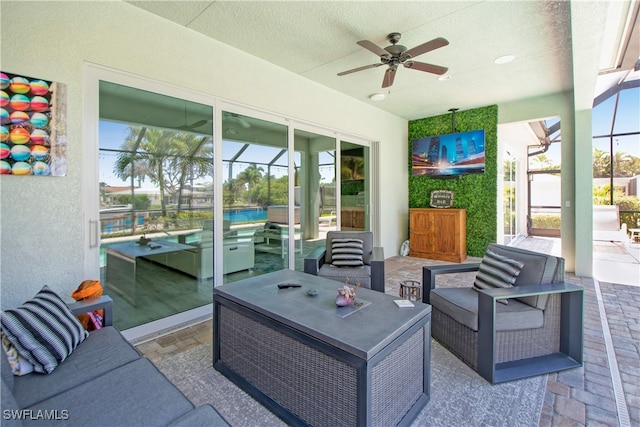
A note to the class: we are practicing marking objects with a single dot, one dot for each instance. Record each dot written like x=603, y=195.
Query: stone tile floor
x=604, y=392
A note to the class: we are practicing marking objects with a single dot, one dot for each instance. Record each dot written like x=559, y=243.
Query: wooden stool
x=411, y=290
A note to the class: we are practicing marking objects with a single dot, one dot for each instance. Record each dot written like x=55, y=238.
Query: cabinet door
x=422, y=232
x=447, y=230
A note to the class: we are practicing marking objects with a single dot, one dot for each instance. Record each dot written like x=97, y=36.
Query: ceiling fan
x=396, y=54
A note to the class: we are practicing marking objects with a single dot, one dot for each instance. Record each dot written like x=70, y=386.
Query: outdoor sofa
x=104, y=381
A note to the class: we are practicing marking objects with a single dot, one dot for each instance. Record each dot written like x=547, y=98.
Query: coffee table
x=313, y=363
x=122, y=263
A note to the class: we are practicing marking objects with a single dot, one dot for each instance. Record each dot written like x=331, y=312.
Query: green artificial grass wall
x=477, y=193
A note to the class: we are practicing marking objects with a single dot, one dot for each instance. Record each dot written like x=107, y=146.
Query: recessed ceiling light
x=376, y=97
x=505, y=59
x=444, y=77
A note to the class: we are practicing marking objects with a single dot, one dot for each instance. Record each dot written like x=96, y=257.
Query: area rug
x=459, y=396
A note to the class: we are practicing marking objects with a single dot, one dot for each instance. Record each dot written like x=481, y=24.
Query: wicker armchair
x=370, y=275
x=539, y=331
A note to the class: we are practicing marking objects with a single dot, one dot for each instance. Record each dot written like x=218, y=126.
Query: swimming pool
x=240, y=215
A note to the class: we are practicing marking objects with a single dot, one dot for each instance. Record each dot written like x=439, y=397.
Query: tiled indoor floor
x=605, y=391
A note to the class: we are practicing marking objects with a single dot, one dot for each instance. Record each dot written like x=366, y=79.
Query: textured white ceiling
x=317, y=39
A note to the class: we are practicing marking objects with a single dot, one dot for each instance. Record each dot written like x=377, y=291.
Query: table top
x=360, y=330
x=155, y=247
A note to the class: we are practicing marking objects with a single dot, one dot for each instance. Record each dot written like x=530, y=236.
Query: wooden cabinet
x=352, y=219
x=438, y=234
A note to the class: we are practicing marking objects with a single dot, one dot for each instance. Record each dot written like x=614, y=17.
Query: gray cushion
x=104, y=350
x=136, y=394
x=497, y=271
x=204, y=415
x=5, y=370
x=360, y=275
x=346, y=252
x=43, y=330
x=365, y=236
x=461, y=304
x=8, y=403
x=538, y=268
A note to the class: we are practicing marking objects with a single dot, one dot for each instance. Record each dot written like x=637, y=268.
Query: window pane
x=156, y=203
x=628, y=117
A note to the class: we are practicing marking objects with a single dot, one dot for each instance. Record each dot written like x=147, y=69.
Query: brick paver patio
x=579, y=397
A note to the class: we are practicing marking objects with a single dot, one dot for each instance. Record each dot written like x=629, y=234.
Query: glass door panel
x=156, y=203
x=509, y=192
x=255, y=196
x=315, y=191
x=354, y=187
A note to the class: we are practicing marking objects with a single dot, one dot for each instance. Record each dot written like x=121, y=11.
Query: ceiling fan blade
x=366, y=67
x=389, y=75
x=426, y=47
x=193, y=125
x=429, y=68
x=373, y=48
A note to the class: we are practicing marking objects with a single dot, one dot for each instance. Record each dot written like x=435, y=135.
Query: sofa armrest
x=314, y=261
x=377, y=269
x=429, y=275
x=104, y=302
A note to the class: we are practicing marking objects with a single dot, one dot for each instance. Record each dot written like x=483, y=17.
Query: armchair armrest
x=314, y=261
x=429, y=275
x=104, y=302
x=530, y=290
x=377, y=269
x=571, y=332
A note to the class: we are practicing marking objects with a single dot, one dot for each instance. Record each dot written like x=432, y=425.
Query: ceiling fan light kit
x=504, y=59
x=394, y=55
x=377, y=97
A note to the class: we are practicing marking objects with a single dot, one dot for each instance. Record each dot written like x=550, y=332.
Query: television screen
x=450, y=154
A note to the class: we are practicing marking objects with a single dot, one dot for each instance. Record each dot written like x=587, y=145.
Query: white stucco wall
x=43, y=224
x=575, y=228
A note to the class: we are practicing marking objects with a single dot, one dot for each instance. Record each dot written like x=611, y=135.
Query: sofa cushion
x=346, y=252
x=8, y=403
x=497, y=271
x=5, y=371
x=204, y=415
x=104, y=350
x=355, y=275
x=461, y=304
x=136, y=394
x=43, y=330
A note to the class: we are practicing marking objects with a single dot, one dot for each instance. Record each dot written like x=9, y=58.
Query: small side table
x=635, y=234
x=411, y=290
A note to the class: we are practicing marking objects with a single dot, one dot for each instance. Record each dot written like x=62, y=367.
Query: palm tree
x=193, y=159
x=250, y=176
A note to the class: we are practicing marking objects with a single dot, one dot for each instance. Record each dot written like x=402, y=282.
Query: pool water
x=236, y=216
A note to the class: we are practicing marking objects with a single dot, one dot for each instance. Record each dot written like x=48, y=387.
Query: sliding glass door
x=355, y=187
x=315, y=191
x=186, y=192
x=156, y=203
x=255, y=196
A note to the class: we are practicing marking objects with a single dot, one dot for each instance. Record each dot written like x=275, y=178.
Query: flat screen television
x=448, y=155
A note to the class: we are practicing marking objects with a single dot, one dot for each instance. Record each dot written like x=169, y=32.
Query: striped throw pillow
x=43, y=330
x=346, y=253
x=497, y=271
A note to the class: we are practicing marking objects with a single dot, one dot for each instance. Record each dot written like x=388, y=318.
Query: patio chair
x=330, y=261
x=530, y=327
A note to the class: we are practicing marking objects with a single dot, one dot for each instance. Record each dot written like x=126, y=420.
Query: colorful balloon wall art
x=33, y=137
